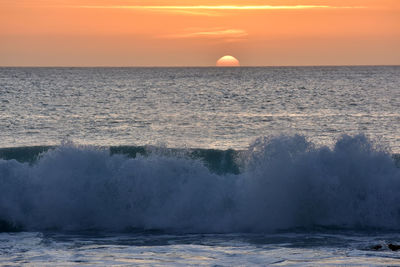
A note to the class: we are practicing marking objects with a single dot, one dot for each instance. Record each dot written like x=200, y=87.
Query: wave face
x=284, y=182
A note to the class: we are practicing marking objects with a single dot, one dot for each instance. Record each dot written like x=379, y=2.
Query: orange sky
x=197, y=33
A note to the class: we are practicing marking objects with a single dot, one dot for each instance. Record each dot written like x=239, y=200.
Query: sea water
x=200, y=166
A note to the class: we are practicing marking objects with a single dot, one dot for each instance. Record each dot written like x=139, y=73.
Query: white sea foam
x=285, y=182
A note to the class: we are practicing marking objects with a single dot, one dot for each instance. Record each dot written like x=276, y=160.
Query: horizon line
x=196, y=66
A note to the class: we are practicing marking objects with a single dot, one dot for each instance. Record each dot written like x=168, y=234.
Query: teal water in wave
x=199, y=166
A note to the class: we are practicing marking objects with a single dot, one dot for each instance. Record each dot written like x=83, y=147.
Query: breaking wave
x=278, y=183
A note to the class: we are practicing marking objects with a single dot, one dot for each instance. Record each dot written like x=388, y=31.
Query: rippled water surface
x=284, y=249
x=197, y=107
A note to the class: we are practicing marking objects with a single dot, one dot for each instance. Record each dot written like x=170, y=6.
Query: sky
x=197, y=33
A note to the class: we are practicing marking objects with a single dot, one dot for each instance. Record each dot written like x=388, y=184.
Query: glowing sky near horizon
x=197, y=33
x=219, y=7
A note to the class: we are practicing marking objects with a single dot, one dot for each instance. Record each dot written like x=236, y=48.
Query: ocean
x=293, y=166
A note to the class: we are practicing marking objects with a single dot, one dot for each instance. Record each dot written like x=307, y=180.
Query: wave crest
x=285, y=182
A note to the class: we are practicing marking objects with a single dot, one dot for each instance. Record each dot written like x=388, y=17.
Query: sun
x=227, y=61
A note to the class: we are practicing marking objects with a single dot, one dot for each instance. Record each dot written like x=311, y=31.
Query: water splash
x=285, y=182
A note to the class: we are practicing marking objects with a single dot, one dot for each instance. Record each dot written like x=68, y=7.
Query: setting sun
x=227, y=61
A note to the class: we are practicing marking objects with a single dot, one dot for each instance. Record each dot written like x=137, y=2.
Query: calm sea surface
x=293, y=166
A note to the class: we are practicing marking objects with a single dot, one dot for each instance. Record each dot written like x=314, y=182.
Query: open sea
x=292, y=166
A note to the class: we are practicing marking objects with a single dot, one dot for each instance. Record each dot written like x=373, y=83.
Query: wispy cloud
x=215, y=33
x=197, y=8
x=209, y=13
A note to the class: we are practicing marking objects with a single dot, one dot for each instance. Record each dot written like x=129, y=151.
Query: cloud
x=229, y=34
x=191, y=12
x=211, y=10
